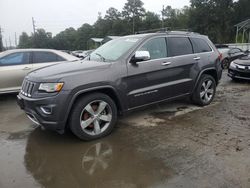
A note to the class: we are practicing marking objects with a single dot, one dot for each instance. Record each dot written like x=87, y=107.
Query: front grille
x=241, y=73
x=27, y=88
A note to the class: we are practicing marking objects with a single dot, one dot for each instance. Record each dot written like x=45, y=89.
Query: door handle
x=26, y=68
x=166, y=63
x=197, y=58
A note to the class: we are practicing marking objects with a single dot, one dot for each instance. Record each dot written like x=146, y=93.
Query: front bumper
x=239, y=74
x=49, y=113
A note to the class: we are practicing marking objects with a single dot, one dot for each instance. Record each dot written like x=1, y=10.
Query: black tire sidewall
x=225, y=64
x=196, y=96
x=80, y=104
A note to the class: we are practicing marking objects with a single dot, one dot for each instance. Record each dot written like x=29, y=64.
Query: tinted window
x=200, y=45
x=45, y=57
x=179, y=46
x=18, y=58
x=157, y=48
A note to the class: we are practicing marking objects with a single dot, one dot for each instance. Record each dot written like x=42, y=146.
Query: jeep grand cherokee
x=122, y=75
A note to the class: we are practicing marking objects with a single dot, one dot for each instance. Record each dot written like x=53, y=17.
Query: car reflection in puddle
x=63, y=161
x=98, y=155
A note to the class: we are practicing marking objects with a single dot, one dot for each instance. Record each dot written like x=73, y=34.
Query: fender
x=82, y=91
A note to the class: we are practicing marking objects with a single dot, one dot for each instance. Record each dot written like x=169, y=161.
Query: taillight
x=220, y=56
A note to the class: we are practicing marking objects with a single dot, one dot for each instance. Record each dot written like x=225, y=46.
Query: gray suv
x=122, y=75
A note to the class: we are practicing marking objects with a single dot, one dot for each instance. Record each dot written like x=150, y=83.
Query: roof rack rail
x=158, y=30
x=167, y=30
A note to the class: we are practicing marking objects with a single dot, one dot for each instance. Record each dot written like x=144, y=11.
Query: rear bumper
x=239, y=74
x=47, y=112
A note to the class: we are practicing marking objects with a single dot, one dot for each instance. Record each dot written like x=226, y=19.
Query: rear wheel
x=93, y=116
x=205, y=90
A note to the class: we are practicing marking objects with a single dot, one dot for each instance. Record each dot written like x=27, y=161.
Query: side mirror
x=141, y=56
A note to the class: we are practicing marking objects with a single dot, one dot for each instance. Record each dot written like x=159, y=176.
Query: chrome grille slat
x=27, y=88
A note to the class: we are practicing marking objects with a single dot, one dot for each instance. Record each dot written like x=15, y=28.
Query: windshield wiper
x=102, y=58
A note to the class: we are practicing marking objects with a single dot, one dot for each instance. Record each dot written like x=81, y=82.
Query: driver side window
x=156, y=47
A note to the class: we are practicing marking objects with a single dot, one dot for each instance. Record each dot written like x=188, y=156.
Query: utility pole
x=10, y=42
x=34, y=32
x=162, y=15
x=34, y=26
x=15, y=40
x=1, y=40
x=134, y=19
x=6, y=44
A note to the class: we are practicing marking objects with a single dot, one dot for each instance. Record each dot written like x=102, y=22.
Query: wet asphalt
x=173, y=144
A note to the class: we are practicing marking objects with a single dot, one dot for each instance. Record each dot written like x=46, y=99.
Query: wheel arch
x=108, y=90
x=210, y=71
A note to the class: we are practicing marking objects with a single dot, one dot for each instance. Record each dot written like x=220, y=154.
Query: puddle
x=19, y=135
x=51, y=160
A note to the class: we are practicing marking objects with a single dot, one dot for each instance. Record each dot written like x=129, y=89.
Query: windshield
x=114, y=49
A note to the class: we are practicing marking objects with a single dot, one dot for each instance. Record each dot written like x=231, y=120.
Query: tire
x=236, y=79
x=225, y=64
x=93, y=116
x=202, y=96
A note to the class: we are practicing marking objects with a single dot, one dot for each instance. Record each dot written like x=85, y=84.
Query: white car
x=16, y=64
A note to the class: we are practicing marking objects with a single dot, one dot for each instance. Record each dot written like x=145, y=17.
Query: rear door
x=13, y=68
x=43, y=59
x=184, y=65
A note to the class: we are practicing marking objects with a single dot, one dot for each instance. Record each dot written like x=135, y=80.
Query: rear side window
x=18, y=58
x=179, y=46
x=46, y=57
x=156, y=47
x=200, y=45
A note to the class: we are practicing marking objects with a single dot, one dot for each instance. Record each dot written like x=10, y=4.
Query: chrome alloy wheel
x=96, y=117
x=207, y=91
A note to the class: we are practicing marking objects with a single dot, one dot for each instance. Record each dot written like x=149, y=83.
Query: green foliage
x=215, y=18
x=25, y=41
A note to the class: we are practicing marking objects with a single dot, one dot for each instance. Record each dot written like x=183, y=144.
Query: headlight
x=233, y=65
x=50, y=87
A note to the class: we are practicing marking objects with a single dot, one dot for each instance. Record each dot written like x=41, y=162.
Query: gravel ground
x=169, y=145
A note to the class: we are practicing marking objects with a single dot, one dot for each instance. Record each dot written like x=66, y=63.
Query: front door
x=147, y=79
x=166, y=75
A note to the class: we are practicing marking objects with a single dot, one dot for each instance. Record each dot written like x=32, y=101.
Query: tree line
x=215, y=18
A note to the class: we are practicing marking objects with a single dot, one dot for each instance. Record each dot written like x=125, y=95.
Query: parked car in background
x=77, y=53
x=16, y=64
x=81, y=54
x=240, y=68
x=230, y=54
x=85, y=53
x=122, y=75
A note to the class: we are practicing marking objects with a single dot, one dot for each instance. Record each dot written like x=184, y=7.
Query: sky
x=56, y=15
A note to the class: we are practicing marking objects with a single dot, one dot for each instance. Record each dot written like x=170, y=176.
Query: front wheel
x=93, y=116
x=205, y=90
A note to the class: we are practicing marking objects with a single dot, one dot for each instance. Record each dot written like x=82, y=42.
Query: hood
x=60, y=70
x=245, y=60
